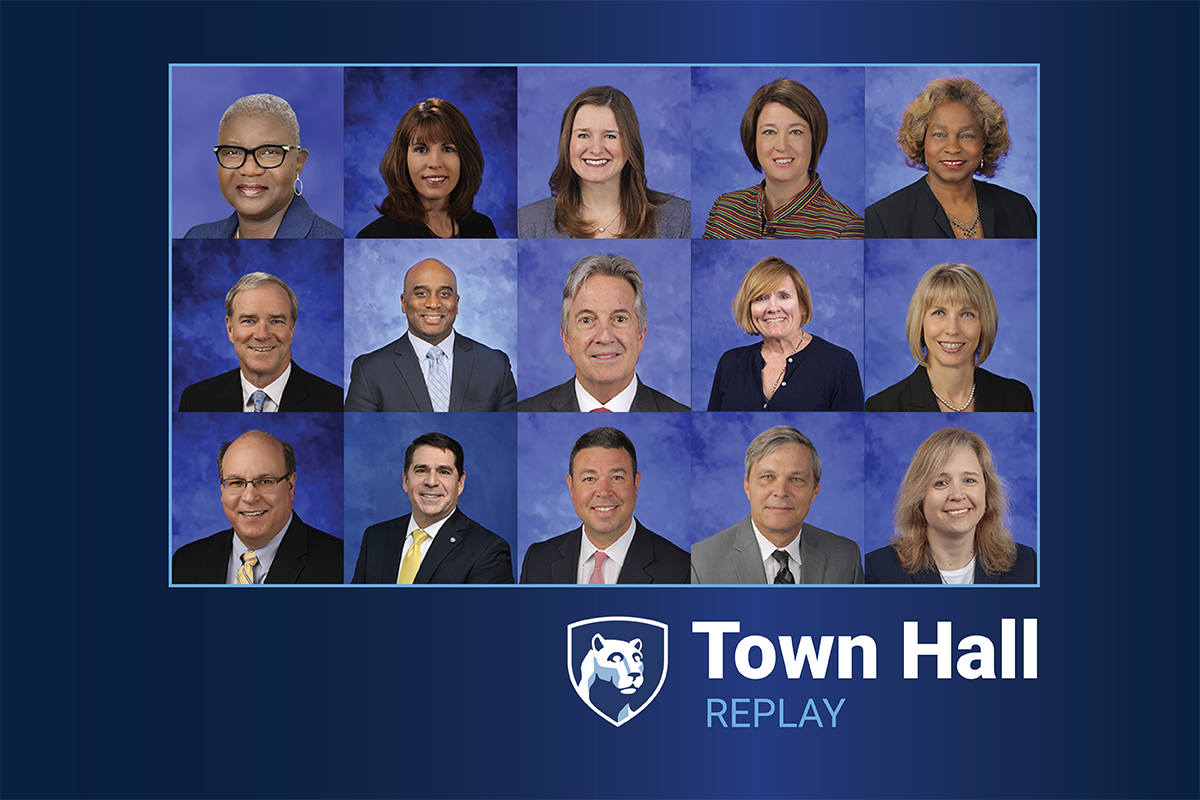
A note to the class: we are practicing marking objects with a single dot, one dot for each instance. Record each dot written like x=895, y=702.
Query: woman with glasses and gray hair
x=259, y=161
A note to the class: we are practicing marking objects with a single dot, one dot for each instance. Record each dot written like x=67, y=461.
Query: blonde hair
x=957, y=283
x=993, y=123
x=762, y=279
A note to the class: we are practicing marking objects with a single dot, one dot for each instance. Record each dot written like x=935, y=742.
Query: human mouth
x=606, y=356
x=434, y=180
x=596, y=162
x=262, y=349
x=252, y=514
x=958, y=512
x=604, y=509
x=783, y=162
x=951, y=347
x=953, y=164
x=251, y=189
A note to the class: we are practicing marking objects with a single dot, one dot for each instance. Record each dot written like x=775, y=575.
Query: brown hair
x=430, y=119
x=798, y=98
x=959, y=283
x=638, y=204
x=993, y=123
x=762, y=279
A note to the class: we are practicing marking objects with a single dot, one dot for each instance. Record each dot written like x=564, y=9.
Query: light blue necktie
x=259, y=397
x=439, y=382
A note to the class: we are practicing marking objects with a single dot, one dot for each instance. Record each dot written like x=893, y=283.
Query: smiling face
x=597, y=152
x=434, y=168
x=256, y=517
x=430, y=300
x=603, y=336
x=779, y=315
x=953, y=144
x=261, y=331
x=433, y=484
x=951, y=332
x=784, y=141
x=259, y=195
x=781, y=487
x=956, y=502
x=604, y=491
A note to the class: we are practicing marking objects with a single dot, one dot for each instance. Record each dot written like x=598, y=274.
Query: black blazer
x=651, y=559
x=463, y=552
x=914, y=213
x=914, y=393
x=390, y=379
x=306, y=555
x=562, y=398
x=304, y=392
x=476, y=226
x=883, y=566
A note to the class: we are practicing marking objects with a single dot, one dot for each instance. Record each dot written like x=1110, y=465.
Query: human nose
x=250, y=494
x=250, y=166
x=604, y=332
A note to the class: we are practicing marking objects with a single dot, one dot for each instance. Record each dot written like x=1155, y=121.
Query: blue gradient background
x=375, y=445
x=200, y=96
x=894, y=268
x=892, y=439
x=544, y=443
x=376, y=98
x=486, y=271
x=664, y=266
x=891, y=89
x=660, y=96
x=832, y=269
x=196, y=486
x=719, y=99
x=204, y=270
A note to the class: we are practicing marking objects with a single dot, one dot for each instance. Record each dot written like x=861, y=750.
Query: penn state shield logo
x=617, y=664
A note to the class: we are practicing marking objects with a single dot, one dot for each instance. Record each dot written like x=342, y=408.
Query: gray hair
x=604, y=264
x=289, y=455
x=253, y=280
x=265, y=105
x=772, y=439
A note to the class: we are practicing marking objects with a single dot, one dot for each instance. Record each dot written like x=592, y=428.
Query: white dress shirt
x=273, y=390
x=616, y=552
x=767, y=550
x=622, y=402
x=432, y=530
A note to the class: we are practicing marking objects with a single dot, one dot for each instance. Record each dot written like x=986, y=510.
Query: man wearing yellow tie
x=436, y=543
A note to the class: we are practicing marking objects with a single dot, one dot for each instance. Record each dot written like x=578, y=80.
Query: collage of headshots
x=756, y=273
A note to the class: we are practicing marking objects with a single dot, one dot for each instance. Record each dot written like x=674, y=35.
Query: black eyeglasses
x=267, y=156
x=261, y=485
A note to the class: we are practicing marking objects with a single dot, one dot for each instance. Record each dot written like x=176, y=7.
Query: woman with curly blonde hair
x=953, y=130
x=949, y=519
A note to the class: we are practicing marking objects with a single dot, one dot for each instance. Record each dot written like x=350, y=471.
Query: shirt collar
x=433, y=529
x=421, y=347
x=622, y=402
x=794, y=205
x=274, y=389
x=767, y=550
x=617, y=551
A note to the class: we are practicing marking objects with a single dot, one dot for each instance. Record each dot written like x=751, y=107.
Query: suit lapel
x=812, y=557
x=987, y=215
x=464, y=362
x=643, y=399
x=231, y=395
x=449, y=537
x=921, y=392
x=410, y=372
x=286, y=567
x=747, y=560
x=393, y=551
x=565, y=400
x=639, y=556
x=296, y=391
x=214, y=567
x=930, y=209
x=564, y=570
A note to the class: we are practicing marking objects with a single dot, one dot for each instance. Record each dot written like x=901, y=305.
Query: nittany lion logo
x=617, y=664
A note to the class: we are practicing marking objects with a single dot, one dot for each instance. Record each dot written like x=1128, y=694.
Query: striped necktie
x=784, y=575
x=245, y=573
x=439, y=382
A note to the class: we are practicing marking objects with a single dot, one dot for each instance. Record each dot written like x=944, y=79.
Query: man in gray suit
x=774, y=544
x=431, y=368
x=603, y=328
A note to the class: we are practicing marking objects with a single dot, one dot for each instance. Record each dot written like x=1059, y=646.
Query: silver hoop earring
x=298, y=187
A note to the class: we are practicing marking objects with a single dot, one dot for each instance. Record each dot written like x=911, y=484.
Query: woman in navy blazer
x=949, y=519
x=952, y=322
x=953, y=130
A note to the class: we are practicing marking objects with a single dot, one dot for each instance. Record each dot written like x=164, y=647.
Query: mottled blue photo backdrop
x=832, y=269
x=719, y=442
x=196, y=510
x=376, y=98
x=375, y=445
x=544, y=453
x=719, y=99
x=892, y=439
x=891, y=89
x=664, y=266
x=660, y=95
x=203, y=272
x=894, y=267
x=486, y=271
x=200, y=95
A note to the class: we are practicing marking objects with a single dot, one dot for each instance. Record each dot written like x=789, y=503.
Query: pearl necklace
x=610, y=222
x=947, y=405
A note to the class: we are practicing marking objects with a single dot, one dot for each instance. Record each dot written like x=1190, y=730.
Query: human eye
x=419, y=148
x=621, y=318
x=968, y=313
x=784, y=296
x=235, y=484
x=937, y=312
x=581, y=135
x=448, y=148
x=940, y=483
x=610, y=136
x=586, y=319
x=266, y=483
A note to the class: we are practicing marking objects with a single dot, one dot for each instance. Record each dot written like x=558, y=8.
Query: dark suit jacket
x=914, y=393
x=299, y=222
x=306, y=555
x=463, y=552
x=914, y=213
x=390, y=379
x=651, y=559
x=562, y=398
x=304, y=392
x=475, y=226
x=884, y=567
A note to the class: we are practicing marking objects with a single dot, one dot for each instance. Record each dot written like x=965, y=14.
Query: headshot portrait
x=958, y=489
x=456, y=296
x=266, y=509
x=234, y=329
x=732, y=138
x=952, y=152
x=474, y=507
x=610, y=498
x=1001, y=364
x=607, y=353
x=806, y=348
x=284, y=194
x=386, y=107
